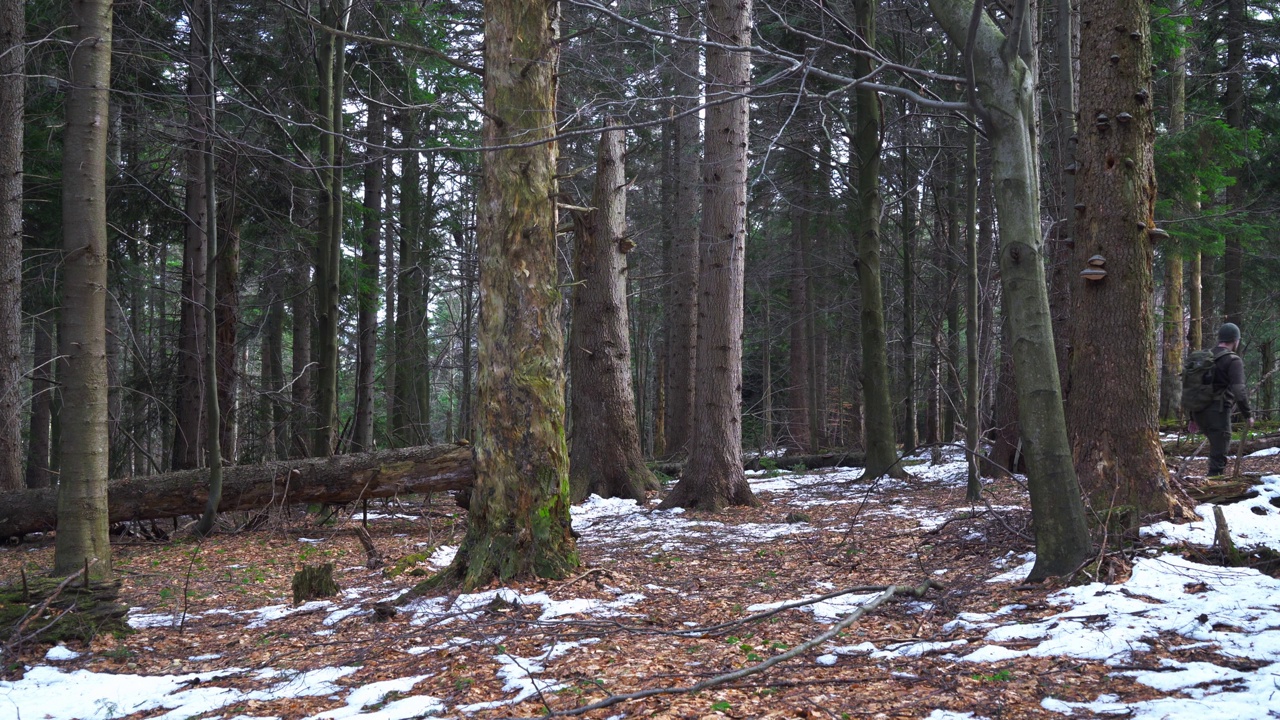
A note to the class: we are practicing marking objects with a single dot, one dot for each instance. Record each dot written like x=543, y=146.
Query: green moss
x=409, y=562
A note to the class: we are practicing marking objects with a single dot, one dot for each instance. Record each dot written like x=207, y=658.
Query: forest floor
x=667, y=600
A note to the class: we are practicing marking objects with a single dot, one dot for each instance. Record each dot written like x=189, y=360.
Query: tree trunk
x=714, y=477
x=1267, y=393
x=189, y=430
x=1113, y=404
x=344, y=479
x=229, y=351
x=274, y=412
x=882, y=452
x=300, y=356
x=972, y=392
x=518, y=526
x=1062, y=271
x=333, y=71
x=12, y=81
x=682, y=286
x=1234, y=102
x=910, y=226
x=367, y=287
x=605, y=457
x=1006, y=89
x=799, y=430
x=42, y=392
x=82, y=498
x=213, y=398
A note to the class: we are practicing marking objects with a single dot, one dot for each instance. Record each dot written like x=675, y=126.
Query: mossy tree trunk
x=1114, y=400
x=519, y=520
x=1006, y=90
x=605, y=456
x=882, y=452
x=82, y=342
x=713, y=477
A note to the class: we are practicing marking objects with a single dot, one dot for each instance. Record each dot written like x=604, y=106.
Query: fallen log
x=784, y=462
x=338, y=479
x=1187, y=444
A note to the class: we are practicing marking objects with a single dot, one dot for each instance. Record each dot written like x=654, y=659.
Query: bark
x=1234, y=101
x=882, y=453
x=301, y=367
x=12, y=79
x=605, y=457
x=799, y=429
x=82, y=499
x=972, y=397
x=1210, y=317
x=1171, y=363
x=1062, y=270
x=714, y=477
x=682, y=288
x=1006, y=90
x=518, y=526
x=1267, y=391
x=910, y=226
x=333, y=71
x=274, y=413
x=189, y=407
x=213, y=398
x=1113, y=403
x=42, y=392
x=367, y=286
x=1175, y=299
x=344, y=479
x=228, y=352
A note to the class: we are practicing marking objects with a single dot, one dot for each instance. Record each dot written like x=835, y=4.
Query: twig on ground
x=800, y=649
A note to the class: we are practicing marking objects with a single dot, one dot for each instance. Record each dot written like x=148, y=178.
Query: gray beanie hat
x=1228, y=333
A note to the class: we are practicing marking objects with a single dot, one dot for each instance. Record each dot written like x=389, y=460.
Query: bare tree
x=12, y=79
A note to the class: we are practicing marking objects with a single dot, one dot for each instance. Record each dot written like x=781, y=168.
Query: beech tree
x=1004, y=86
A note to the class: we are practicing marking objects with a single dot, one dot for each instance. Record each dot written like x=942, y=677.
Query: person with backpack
x=1212, y=388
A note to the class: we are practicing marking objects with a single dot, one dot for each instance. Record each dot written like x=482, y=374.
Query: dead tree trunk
x=340, y=479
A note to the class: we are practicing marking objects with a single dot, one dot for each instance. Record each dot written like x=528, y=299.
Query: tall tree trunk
x=228, y=315
x=1113, y=356
x=213, y=398
x=518, y=525
x=391, y=342
x=274, y=413
x=1174, y=297
x=42, y=393
x=329, y=242
x=1233, y=256
x=367, y=287
x=605, y=457
x=682, y=287
x=882, y=453
x=1006, y=89
x=950, y=371
x=799, y=429
x=910, y=226
x=12, y=81
x=1062, y=271
x=972, y=394
x=713, y=477
x=410, y=313
x=300, y=312
x=82, y=488
x=1210, y=312
x=189, y=407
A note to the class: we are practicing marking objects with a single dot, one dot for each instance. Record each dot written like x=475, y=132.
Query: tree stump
x=314, y=581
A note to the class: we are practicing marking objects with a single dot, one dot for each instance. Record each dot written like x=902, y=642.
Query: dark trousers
x=1215, y=423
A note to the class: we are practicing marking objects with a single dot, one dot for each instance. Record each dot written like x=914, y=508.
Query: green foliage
x=997, y=676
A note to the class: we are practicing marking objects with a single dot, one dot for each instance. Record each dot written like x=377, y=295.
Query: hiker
x=1228, y=391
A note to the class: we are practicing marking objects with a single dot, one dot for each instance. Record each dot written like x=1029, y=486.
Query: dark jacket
x=1228, y=375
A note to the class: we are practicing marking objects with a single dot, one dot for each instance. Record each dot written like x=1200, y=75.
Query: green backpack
x=1198, y=391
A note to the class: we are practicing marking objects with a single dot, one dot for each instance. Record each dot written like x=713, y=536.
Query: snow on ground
x=1235, y=612
x=1253, y=522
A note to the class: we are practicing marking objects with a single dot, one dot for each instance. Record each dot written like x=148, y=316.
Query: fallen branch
x=758, y=668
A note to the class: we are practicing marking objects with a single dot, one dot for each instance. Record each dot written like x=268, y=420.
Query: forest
x=850, y=302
